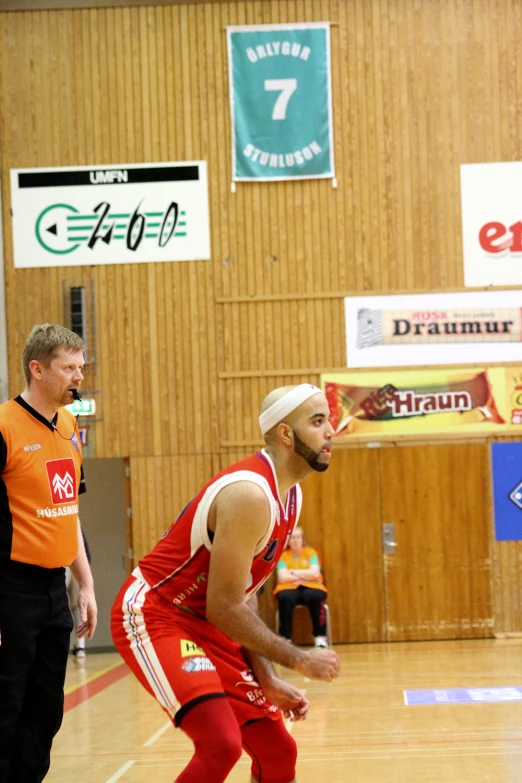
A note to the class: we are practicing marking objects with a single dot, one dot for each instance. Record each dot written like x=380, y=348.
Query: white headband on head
x=285, y=405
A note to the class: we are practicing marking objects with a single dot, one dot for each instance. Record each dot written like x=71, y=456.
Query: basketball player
x=186, y=622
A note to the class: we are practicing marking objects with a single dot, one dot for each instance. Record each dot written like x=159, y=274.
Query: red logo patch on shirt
x=62, y=480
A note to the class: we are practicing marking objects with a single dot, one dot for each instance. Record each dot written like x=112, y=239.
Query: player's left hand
x=88, y=613
x=290, y=700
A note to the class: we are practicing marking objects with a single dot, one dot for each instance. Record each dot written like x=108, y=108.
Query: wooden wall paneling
x=143, y=377
x=146, y=100
x=348, y=161
x=441, y=67
x=161, y=488
x=94, y=63
x=507, y=587
x=177, y=372
x=167, y=78
x=152, y=358
x=124, y=396
x=168, y=329
x=154, y=520
x=203, y=274
x=226, y=235
x=343, y=143
x=139, y=506
x=129, y=533
x=426, y=178
x=103, y=343
x=511, y=571
x=297, y=333
x=288, y=224
x=404, y=227
x=137, y=424
x=119, y=103
x=341, y=519
x=511, y=130
x=114, y=424
x=502, y=121
x=180, y=392
x=27, y=141
x=438, y=583
x=109, y=105
x=132, y=89
x=363, y=195
x=127, y=388
x=188, y=83
x=276, y=314
x=378, y=75
x=81, y=81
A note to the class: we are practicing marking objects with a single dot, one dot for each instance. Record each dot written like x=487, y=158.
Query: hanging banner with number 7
x=280, y=101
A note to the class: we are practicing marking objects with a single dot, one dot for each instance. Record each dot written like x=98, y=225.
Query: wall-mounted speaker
x=78, y=315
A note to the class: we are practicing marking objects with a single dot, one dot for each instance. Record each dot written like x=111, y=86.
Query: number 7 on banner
x=287, y=88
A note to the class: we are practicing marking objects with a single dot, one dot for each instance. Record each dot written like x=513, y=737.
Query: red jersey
x=177, y=567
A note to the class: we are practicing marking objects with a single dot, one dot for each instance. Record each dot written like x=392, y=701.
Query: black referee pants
x=35, y=626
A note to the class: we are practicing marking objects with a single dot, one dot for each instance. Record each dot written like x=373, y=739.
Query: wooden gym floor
x=359, y=728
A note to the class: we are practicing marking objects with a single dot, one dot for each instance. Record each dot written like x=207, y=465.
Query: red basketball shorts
x=180, y=658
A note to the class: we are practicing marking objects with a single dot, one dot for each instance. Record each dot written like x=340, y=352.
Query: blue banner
x=280, y=99
x=507, y=490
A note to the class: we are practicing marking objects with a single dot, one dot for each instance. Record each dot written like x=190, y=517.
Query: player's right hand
x=319, y=664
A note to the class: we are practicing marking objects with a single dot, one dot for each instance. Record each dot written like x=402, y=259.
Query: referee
x=41, y=479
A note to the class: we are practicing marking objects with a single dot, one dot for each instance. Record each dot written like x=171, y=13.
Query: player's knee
x=279, y=766
x=217, y=756
x=213, y=729
x=273, y=752
x=223, y=748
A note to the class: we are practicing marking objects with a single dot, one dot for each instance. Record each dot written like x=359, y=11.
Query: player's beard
x=310, y=456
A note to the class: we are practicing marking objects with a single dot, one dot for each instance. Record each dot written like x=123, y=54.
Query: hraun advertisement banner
x=400, y=404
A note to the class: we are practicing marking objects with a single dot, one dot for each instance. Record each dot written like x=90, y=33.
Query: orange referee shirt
x=40, y=480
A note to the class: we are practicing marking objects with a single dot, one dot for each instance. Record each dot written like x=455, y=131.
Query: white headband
x=285, y=405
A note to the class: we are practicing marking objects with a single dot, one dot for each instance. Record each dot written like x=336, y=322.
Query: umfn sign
x=110, y=215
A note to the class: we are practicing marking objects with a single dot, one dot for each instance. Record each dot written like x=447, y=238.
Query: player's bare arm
x=290, y=700
x=239, y=519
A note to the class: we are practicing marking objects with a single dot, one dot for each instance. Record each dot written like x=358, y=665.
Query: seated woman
x=299, y=581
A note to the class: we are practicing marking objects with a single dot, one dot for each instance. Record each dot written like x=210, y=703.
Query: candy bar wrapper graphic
x=464, y=399
x=412, y=327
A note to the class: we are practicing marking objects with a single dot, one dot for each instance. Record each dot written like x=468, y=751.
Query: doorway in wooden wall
x=433, y=581
x=103, y=513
